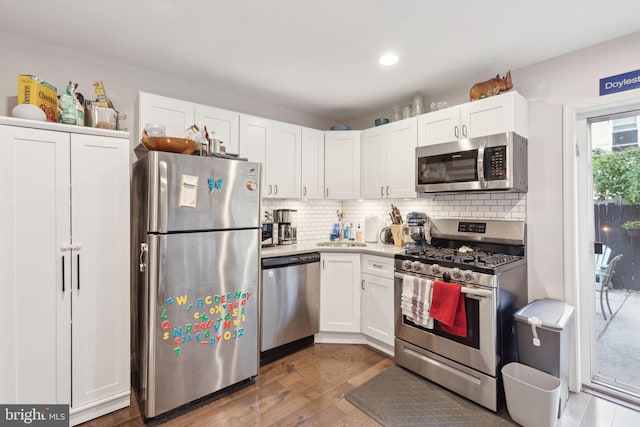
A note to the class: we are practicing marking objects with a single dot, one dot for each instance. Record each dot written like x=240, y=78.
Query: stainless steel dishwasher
x=290, y=312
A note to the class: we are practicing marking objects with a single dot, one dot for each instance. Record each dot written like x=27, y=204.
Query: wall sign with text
x=620, y=82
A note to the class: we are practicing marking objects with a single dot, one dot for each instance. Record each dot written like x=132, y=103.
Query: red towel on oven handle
x=447, y=307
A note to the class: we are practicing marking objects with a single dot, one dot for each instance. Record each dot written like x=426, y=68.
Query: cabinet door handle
x=62, y=273
x=270, y=188
x=304, y=191
x=377, y=265
x=381, y=191
x=362, y=284
x=327, y=192
x=323, y=264
x=276, y=189
x=456, y=131
x=464, y=130
x=387, y=190
x=78, y=267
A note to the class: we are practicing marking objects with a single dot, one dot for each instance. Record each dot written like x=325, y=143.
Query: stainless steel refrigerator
x=195, y=248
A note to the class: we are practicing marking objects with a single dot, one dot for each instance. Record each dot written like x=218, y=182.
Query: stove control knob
x=406, y=265
x=468, y=275
x=417, y=265
x=435, y=269
x=456, y=273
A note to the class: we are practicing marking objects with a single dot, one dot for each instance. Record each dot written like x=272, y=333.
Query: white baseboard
x=99, y=408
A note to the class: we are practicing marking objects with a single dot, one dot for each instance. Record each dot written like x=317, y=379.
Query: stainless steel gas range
x=487, y=260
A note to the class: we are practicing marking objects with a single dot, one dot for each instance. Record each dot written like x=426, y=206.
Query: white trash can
x=532, y=396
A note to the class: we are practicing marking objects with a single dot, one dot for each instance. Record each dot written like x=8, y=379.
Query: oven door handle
x=484, y=293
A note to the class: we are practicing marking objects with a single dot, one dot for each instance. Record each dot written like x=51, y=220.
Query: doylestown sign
x=620, y=82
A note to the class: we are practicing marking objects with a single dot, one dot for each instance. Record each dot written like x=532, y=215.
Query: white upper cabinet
x=256, y=134
x=342, y=165
x=283, y=161
x=224, y=124
x=373, y=162
x=439, y=126
x=497, y=114
x=312, y=165
x=388, y=160
x=176, y=115
x=401, y=158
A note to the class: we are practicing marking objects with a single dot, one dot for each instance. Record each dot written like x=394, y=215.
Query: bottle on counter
x=358, y=234
x=335, y=233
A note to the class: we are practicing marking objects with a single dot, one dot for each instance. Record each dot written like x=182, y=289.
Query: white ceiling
x=320, y=57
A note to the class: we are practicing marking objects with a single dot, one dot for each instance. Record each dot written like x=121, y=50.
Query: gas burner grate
x=476, y=257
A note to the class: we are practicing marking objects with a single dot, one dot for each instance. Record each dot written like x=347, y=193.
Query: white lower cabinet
x=377, y=298
x=64, y=267
x=356, y=300
x=339, y=292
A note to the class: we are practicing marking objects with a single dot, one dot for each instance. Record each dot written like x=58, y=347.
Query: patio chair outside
x=604, y=284
x=602, y=260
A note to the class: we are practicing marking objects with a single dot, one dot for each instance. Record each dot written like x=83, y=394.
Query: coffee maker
x=417, y=230
x=286, y=219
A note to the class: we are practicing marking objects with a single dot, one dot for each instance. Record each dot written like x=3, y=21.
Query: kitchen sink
x=341, y=244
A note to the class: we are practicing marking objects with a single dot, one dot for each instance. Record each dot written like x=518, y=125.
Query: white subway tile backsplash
x=315, y=218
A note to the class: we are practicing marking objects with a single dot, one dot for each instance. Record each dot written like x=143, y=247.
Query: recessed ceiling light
x=389, y=59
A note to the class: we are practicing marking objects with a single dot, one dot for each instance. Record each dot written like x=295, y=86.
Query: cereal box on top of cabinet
x=33, y=90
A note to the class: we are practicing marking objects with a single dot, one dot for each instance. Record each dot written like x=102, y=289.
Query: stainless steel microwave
x=495, y=162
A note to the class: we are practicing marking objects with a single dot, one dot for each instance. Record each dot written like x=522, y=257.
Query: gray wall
x=122, y=82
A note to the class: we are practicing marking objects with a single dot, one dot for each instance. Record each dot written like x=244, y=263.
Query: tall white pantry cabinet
x=64, y=267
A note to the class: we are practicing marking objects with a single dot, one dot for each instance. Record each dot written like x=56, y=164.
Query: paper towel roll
x=371, y=229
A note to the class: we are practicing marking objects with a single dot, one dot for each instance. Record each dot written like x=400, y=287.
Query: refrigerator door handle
x=143, y=249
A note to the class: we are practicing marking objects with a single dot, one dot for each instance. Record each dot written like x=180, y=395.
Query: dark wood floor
x=307, y=388
x=303, y=389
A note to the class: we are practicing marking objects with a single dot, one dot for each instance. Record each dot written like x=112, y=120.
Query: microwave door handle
x=480, y=163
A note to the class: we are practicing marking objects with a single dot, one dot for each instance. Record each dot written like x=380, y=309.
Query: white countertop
x=307, y=246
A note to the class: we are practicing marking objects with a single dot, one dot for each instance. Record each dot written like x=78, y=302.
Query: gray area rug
x=398, y=397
